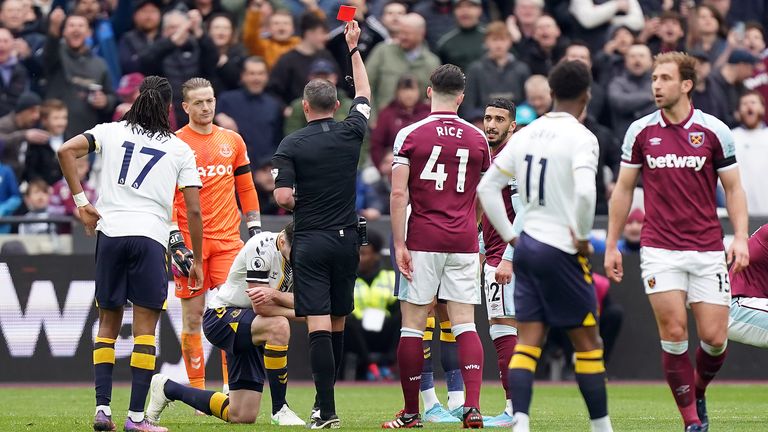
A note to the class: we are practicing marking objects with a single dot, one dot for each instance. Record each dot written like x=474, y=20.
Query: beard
x=502, y=137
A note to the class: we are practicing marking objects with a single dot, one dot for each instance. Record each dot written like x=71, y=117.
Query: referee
x=319, y=163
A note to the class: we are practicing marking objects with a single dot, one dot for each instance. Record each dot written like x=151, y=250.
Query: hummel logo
x=472, y=366
x=655, y=141
x=196, y=362
x=414, y=378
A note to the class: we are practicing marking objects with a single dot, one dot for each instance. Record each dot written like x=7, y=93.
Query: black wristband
x=353, y=51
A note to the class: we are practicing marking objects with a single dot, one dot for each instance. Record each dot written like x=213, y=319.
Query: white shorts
x=455, y=274
x=748, y=323
x=499, y=299
x=703, y=275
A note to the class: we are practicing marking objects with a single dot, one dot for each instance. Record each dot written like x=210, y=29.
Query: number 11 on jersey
x=436, y=172
x=529, y=168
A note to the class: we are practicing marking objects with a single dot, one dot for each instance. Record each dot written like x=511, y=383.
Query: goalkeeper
x=248, y=319
x=223, y=165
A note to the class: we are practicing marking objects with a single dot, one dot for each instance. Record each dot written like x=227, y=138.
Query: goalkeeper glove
x=181, y=256
x=254, y=227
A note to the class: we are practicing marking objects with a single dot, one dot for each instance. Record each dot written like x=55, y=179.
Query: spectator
x=62, y=202
x=28, y=41
x=754, y=41
x=13, y=75
x=128, y=92
x=598, y=103
x=538, y=96
x=707, y=96
x=611, y=61
x=146, y=29
x=374, y=184
x=37, y=197
x=459, y=46
x=549, y=46
x=407, y=108
x=280, y=39
x=629, y=95
x=254, y=114
x=497, y=75
x=207, y=8
x=751, y=141
x=393, y=11
x=10, y=199
x=439, y=15
x=76, y=76
x=669, y=34
x=182, y=52
x=323, y=69
x=291, y=72
x=607, y=161
x=372, y=33
x=373, y=327
x=301, y=7
x=708, y=32
x=40, y=160
x=265, y=185
x=18, y=129
x=105, y=32
x=388, y=62
x=730, y=79
x=221, y=29
x=522, y=25
x=630, y=239
x=594, y=18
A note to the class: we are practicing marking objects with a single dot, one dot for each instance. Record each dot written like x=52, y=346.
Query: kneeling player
x=748, y=322
x=247, y=319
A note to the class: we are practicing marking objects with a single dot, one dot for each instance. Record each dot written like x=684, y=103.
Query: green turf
x=555, y=408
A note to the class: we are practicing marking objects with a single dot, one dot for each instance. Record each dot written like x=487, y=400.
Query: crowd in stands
x=67, y=65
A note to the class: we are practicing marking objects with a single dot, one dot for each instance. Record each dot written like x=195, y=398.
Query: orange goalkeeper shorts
x=218, y=256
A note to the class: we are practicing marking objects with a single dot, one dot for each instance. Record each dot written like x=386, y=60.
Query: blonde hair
x=194, y=84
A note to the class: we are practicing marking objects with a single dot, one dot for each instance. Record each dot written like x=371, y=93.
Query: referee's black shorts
x=324, y=271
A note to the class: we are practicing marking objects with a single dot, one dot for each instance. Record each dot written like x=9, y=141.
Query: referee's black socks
x=337, y=339
x=321, y=358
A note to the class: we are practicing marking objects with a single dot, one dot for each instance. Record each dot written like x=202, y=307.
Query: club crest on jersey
x=257, y=263
x=696, y=139
x=652, y=282
x=225, y=150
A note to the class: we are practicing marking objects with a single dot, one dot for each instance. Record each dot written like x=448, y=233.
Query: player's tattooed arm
x=253, y=221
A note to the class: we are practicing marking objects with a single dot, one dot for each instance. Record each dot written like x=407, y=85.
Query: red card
x=346, y=13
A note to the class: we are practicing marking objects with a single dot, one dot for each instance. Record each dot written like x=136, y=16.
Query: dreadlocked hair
x=149, y=113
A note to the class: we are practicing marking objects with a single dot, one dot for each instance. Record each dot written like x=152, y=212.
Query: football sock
x=680, y=376
x=449, y=359
x=276, y=364
x=427, y=385
x=520, y=376
x=194, y=360
x=590, y=374
x=224, y=369
x=142, y=369
x=602, y=424
x=504, y=339
x=410, y=359
x=709, y=360
x=207, y=401
x=103, y=363
x=337, y=340
x=471, y=359
x=323, y=371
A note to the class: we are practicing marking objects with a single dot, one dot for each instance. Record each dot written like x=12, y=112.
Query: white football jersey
x=139, y=177
x=259, y=261
x=543, y=157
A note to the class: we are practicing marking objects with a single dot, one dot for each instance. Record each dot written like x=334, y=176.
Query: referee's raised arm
x=359, y=75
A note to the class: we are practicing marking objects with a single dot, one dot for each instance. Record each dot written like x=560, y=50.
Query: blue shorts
x=131, y=268
x=229, y=329
x=552, y=286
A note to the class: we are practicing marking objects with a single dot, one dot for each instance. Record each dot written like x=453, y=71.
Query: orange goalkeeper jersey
x=220, y=156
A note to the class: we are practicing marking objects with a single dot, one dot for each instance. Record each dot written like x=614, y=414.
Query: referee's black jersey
x=320, y=161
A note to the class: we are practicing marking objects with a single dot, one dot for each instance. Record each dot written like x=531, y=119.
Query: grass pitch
x=643, y=407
